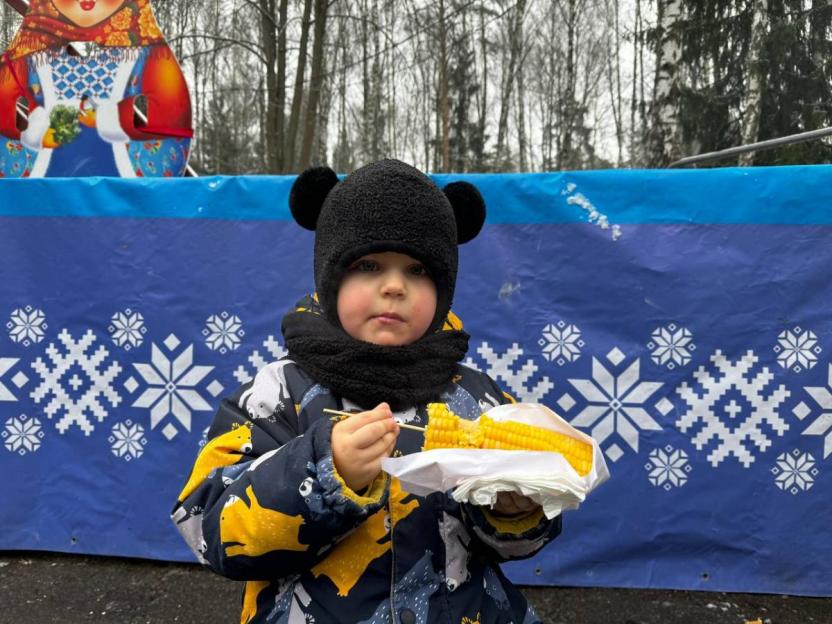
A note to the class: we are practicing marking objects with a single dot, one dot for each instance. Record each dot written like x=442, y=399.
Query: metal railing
x=810, y=135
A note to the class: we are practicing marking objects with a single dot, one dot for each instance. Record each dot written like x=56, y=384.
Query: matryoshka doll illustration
x=81, y=107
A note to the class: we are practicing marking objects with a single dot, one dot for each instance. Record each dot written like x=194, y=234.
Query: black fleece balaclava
x=385, y=206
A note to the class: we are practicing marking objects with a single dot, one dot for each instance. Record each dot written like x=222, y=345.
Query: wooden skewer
x=348, y=414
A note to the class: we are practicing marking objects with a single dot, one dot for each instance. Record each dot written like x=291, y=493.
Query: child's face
x=387, y=299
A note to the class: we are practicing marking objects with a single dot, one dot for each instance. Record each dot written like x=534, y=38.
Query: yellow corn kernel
x=447, y=430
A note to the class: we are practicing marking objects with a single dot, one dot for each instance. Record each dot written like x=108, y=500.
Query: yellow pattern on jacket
x=254, y=530
x=252, y=591
x=351, y=557
x=223, y=450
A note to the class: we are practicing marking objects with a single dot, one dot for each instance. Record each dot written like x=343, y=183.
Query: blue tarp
x=680, y=317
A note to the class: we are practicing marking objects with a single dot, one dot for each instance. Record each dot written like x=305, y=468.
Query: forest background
x=497, y=85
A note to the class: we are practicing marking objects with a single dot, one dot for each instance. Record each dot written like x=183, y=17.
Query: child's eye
x=365, y=266
x=419, y=270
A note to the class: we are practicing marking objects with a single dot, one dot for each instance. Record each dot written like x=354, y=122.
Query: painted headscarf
x=44, y=29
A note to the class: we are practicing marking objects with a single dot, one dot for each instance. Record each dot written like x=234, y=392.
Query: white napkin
x=477, y=475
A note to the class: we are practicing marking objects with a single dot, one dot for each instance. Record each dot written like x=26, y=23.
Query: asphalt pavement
x=44, y=588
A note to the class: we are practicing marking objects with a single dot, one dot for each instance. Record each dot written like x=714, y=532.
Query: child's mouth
x=388, y=318
x=87, y=5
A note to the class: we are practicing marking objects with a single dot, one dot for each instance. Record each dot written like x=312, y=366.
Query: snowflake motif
x=18, y=380
x=797, y=349
x=172, y=387
x=76, y=411
x=561, y=343
x=22, y=434
x=616, y=404
x=275, y=352
x=671, y=346
x=822, y=426
x=223, y=332
x=668, y=468
x=127, y=440
x=27, y=325
x=795, y=472
x=127, y=329
x=502, y=367
x=744, y=430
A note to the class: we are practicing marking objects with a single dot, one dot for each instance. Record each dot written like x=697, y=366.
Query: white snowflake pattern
x=795, y=472
x=797, y=349
x=5, y=365
x=23, y=434
x=668, y=467
x=172, y=387
x=502, y=367
x=616, y=405
x=27, y=325
x=822, y=425
x=671, y=346
x=274, y=350
x=223, y=332
x=127, y=440
x=76, y=411
x=744, y=431
x=127, y=329
x=561, y=343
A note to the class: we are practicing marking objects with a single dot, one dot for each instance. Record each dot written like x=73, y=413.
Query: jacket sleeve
x=507, y=539
x=263, y=499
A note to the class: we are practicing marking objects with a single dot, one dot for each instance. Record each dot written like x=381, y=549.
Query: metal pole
x=22, y=7
x=754, y=147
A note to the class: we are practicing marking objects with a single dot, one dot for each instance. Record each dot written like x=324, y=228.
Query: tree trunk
x=515, y=52
x=280, y=92
x=268, y=33
x=479, y=155
x=297, y=97
x=444, y=103
x=366, y=84
x=521, y=119
x=614, y=77
x=666, y=140
x=315, y=84
x=567, y=159
x=753, y=96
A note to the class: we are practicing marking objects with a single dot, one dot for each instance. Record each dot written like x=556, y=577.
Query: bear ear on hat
x=308, y=194
x=469, y=209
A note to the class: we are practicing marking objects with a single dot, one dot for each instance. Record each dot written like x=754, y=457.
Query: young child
x=294, y=502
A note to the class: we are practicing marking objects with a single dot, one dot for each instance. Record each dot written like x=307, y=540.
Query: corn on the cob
x=447, y=430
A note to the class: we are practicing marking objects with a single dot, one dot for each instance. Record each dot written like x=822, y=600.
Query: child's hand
x=513, y=504
x=360, y=442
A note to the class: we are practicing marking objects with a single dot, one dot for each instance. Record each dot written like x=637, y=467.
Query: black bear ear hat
x=385, y=206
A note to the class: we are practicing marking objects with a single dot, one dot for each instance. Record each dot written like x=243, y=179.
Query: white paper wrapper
x=476, y=476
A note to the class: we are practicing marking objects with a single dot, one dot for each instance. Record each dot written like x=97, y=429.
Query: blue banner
x=682, y=318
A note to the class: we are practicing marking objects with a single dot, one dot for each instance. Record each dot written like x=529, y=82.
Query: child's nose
x=394, y=284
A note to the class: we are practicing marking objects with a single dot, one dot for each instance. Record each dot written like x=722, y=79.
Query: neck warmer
x=369, y=374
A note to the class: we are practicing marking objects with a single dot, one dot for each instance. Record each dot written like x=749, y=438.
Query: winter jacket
x=265, y=505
